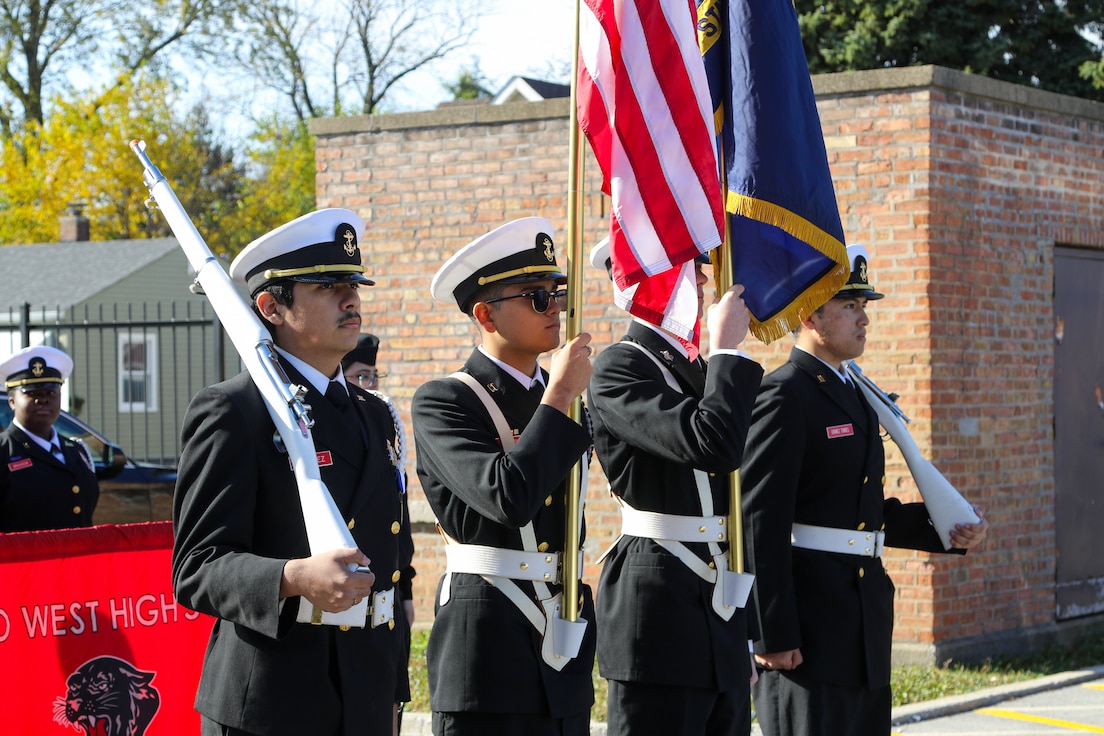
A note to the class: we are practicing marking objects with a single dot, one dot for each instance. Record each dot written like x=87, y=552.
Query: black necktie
x=55, y=450
x=338, y=395
x=536, y=390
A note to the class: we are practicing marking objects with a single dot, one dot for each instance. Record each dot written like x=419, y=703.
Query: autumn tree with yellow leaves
x=81, y=154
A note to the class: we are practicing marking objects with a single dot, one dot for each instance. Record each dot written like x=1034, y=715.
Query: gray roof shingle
x=65, y=274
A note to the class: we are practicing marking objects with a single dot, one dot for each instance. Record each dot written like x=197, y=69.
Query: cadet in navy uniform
x=241, y=551
x=495, y=449
x=359, y=367
x=46, y=481
x=815, y=469
x=668, y=434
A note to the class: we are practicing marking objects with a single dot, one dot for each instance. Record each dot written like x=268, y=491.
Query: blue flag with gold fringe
x=784, y=230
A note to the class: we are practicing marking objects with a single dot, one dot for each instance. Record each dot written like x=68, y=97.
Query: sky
x=515, y=37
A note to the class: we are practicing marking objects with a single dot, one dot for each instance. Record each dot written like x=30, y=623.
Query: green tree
x=470, y=84
x=280, y=186
x=1044, y=44
x=81, y=154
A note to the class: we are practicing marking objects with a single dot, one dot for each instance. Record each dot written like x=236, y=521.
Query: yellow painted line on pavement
x=1094, y=686
x=1013, y=715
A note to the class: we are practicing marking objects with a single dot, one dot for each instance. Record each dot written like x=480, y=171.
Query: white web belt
x=842, y=541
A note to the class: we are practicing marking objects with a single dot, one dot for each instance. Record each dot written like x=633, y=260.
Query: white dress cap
x=519, y=251
x=34, y=367
x=319, y=247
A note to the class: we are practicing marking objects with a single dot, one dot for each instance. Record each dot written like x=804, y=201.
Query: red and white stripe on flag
x=644, y=105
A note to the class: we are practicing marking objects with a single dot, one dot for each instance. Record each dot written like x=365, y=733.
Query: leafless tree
x=44, y=42
x=350, y=53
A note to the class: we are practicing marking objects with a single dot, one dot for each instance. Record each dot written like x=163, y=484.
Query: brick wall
x=959, y=185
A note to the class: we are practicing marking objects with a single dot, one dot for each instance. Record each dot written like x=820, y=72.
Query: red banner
x=91, y=638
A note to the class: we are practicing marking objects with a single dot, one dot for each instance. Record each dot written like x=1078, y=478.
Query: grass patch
x=918, y=684
x=910, y=684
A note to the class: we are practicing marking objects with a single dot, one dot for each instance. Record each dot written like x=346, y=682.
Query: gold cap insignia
x=38, y=366
x=549, y=250
x=346, y=233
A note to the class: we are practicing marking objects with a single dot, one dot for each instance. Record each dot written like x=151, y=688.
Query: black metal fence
x=136, y=366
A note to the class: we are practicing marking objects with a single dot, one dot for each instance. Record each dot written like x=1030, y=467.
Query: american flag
x=644, y=104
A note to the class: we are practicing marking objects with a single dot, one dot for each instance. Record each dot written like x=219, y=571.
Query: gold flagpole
x=723, y=280
x=570, y=571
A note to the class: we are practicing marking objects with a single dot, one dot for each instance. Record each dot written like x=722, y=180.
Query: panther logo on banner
x=107, y=696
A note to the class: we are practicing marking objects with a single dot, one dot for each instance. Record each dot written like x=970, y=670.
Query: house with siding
x=142, y=344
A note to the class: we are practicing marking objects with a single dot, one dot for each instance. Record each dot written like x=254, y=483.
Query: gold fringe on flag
x=782, y=323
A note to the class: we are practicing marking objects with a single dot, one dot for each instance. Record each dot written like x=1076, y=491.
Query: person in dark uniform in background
x=359, y=367
x=241, y=552
x=46, y=481
x=495, y=450
x=668, y=434
x=814, y=478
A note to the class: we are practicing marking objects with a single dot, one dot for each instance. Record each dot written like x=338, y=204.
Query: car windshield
x=67, y=426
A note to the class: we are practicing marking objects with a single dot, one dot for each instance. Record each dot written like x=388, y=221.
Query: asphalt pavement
x=1066, y=703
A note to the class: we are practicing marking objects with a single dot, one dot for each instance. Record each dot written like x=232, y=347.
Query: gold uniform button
x=862, y=525
x=343, y=627
x=395, y=576
x=352, y=523
x=883, y=480
x=76, y=489
x=76, y=509
x=548, y=501
x=542, y=547
x=395, y=527
x=865, y=479
x=391, y=624
x=862, y=572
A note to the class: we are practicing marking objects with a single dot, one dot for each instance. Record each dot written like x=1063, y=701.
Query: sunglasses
x=541, y=299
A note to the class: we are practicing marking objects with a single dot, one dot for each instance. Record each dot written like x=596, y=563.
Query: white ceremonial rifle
x=945, y=505
x=326, y=529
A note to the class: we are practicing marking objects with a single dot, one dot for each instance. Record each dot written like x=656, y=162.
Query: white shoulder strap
x=701, y=479
x=560, y=639
x=501, y=425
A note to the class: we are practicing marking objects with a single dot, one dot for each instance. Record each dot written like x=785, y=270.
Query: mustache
x=349, y=316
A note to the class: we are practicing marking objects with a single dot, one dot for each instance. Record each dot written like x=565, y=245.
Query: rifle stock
x=326, y=529
x=945, y=505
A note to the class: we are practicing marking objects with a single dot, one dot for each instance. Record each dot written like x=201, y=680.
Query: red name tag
x=841, y=430
x=20, y=464
x=324, y=458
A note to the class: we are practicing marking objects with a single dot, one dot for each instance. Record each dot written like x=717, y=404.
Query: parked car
x=110, y=460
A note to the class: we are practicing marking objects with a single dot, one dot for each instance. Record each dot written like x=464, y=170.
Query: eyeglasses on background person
x=366, y=379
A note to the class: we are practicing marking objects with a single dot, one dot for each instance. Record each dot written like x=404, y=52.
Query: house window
x=137, y=373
